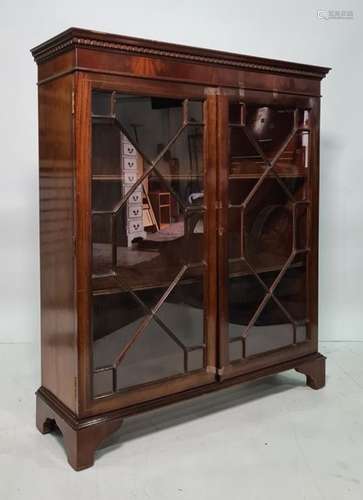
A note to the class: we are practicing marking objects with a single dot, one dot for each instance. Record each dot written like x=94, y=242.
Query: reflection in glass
x=147, y=238
x=274, y=327
x=151, y=122
x=101, y=103
x=267, y=228
x=158, y=220
x=259, y=134
x=170, y=343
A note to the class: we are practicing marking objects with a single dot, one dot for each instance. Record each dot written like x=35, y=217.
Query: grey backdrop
x=288, y=30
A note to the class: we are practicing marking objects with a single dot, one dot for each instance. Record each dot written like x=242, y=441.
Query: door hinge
x=72, y=102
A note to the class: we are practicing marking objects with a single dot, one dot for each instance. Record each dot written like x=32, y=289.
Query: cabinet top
x=81, y=38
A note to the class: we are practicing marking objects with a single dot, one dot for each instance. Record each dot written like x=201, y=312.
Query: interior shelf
x=239, y=269
x=106, y=177
x=103, y=285
x=254, y=170
x=171, y=177
x=176, y=177
x=109, y=285
x=135, y=277
x=247, y=176
x=103, y=119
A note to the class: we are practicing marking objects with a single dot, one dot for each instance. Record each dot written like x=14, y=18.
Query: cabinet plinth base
x=81, y=437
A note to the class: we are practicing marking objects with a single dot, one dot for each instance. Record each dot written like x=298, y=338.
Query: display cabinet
x=178, y=227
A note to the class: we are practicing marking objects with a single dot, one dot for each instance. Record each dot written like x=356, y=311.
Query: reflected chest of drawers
x=178, y=227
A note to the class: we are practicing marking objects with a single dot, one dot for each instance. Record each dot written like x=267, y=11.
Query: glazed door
x=267, y=247
x=152, y=332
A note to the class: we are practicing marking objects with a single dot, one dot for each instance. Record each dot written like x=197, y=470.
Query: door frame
x=85, y=83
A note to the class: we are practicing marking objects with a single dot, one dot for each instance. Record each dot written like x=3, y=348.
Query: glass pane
x=265, y=133
x=291, y=291
x=267, y=226
x=151, y=122
x=152, y=357
x=105, y=150
x=272, y=330
x=149, y=259
x=115, y=317
x=181, y=169
x=101, y=103
x=245, y=294
x=267, y=229
x=161, y=222
x=148, y=236
x=182, y=313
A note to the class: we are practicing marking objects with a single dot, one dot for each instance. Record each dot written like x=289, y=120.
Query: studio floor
x=270, y=439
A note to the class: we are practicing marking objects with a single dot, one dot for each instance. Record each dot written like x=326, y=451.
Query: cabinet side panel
x=58, y=330
x=313, y=276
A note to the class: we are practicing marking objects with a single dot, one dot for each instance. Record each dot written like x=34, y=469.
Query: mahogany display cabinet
x=178, y=227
